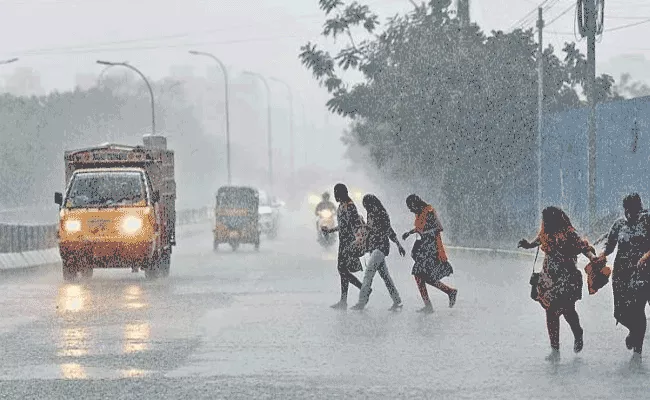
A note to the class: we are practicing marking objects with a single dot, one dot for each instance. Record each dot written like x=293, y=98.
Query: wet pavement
x=258, y=325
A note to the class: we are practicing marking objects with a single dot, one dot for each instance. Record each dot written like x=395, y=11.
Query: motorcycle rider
x=325, y=204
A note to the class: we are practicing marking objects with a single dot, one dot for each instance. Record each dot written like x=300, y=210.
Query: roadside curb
x=515, y=253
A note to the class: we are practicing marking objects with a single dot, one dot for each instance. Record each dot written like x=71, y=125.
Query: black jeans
x=347, y=277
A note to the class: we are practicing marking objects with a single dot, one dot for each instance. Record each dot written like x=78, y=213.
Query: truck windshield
x=106, y=189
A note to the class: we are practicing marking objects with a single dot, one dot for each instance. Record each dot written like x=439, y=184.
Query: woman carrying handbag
x=559, y=285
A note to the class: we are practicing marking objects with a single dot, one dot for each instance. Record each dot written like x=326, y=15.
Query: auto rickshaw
x=237, y=217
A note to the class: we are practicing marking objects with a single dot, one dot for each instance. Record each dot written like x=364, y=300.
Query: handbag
x=534, y=280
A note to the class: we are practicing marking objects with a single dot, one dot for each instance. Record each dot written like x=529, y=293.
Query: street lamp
x=225, y=78
x=101, y=74
x=291, y=129
x=268, y=123
x=12, y=60
x=129, y=66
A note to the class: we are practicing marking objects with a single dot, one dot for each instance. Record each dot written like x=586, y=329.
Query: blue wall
x=619, y=169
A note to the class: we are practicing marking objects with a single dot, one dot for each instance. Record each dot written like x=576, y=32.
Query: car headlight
x=131, y=225
x=313, y=200
x=72, y=225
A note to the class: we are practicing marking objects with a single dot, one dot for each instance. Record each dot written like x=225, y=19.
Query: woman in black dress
x=630, y=273
x=347, y=262
x=431, y=263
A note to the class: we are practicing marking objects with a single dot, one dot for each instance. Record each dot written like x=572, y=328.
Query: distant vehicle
x=269, y=211
x=118, y=210
x=326, y=219
x=237, y=218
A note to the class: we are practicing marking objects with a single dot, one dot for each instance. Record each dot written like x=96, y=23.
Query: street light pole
x=291, y=130
x=226, y=81
x=268, y=124
x=153, y=106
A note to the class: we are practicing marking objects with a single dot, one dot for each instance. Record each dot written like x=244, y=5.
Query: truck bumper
x=109, y=254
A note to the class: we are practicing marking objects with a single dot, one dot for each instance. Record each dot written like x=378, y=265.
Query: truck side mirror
x=58, y=198
x=155, y=197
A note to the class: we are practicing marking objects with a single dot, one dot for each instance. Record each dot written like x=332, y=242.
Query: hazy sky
x=60, y=38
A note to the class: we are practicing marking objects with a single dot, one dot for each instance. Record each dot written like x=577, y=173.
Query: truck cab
x=117, y=210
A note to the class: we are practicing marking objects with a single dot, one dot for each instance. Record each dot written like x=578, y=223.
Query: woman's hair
x=554, y=220
x=415, y=201
x=632, y=202
x=373, y=205
x=341, y=191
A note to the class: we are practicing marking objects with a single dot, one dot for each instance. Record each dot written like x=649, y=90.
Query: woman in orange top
x=431, y=263
x=560, y=282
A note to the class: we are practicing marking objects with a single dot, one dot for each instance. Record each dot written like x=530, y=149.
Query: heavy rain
x=324, y=199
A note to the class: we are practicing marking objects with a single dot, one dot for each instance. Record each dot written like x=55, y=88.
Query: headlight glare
x=131, y=225
x=72, y=225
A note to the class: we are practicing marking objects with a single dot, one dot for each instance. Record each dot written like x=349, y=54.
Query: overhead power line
x=90, y=50
x=618, y=28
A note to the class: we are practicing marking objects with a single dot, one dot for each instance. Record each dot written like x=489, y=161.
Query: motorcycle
x=326, y=220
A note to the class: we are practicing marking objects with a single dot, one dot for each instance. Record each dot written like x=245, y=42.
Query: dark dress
x=349, y=222
x=425, y=253
x=560, y=282
x=630, y=285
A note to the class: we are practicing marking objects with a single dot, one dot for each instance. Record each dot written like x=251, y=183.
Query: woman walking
x=349, y=222
x=431, y=263
x=560, y=282
x=630, y=273
x=378, y=246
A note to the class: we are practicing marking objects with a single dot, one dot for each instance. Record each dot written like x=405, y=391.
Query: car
x=269, y=214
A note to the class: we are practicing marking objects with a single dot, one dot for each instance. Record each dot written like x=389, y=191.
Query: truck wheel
x=69, y=272
x=165, y=264
x=87, y=272
x=151, y=274
x=153, y=268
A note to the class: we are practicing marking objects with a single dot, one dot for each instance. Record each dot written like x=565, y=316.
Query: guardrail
x=20, y=238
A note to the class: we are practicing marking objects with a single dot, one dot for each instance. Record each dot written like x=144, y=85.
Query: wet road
x=258, y=325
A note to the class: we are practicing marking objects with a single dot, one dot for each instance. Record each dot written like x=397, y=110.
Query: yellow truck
x=118, y=209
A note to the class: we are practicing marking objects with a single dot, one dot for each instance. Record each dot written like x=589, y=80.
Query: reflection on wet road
x=257, y=325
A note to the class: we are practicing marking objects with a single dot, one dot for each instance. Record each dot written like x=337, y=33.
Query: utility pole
x=540, y=106
x=590, y=21
x=462, y=10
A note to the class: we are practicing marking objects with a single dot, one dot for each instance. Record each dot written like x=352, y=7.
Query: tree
x=446, y=103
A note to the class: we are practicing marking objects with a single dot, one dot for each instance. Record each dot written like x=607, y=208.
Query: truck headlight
x=72, y=225
x=131, y=225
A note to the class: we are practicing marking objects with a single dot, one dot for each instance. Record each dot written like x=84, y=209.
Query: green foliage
x=448, y=103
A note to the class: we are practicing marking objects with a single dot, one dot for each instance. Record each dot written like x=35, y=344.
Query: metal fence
x=18, y=238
